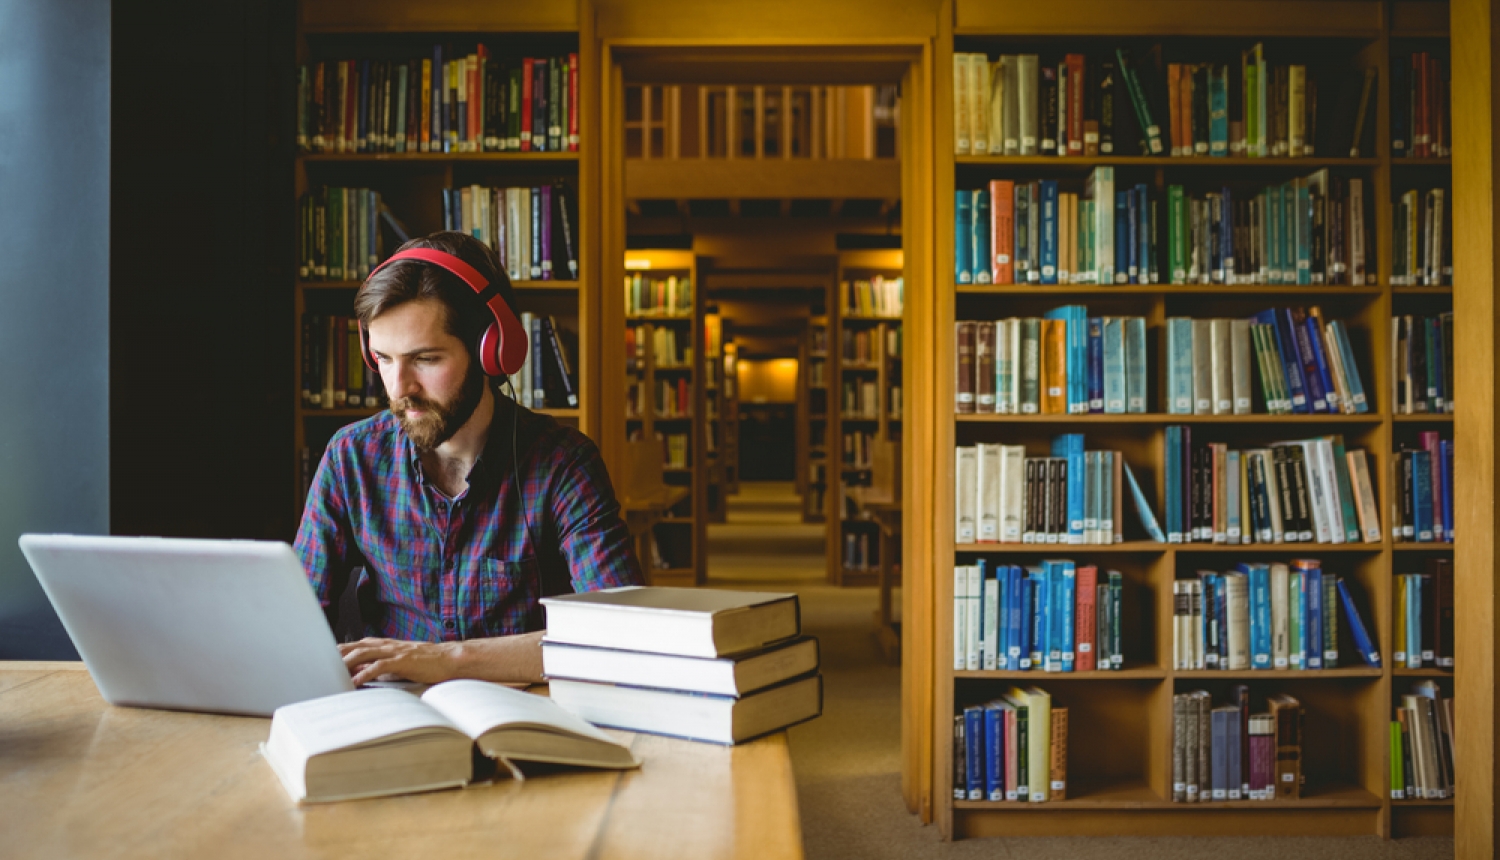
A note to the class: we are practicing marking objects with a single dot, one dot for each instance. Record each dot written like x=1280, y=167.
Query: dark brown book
x=1441, y=571
x=984, y=367
x=1287, y=714
x=964, y=384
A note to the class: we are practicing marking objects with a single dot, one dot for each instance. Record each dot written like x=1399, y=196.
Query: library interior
x=1084, y=375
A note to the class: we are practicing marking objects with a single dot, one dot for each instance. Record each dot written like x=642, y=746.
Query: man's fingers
x=367, y=653
x=372, y=672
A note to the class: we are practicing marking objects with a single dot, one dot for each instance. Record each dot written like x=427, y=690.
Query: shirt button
x=450, y=624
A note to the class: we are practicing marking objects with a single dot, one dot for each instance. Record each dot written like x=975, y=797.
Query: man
x=462, y=507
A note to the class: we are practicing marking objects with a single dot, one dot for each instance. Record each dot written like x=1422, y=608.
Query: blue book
x=1317, y=395
x=1001, y=584
x=1218, y=111
x=1049, y=231
x=1259, y=579
x=963, y=253
x=1052, y=617
x=1286, y=348
x=1302, y=204
x=1445, y=455
x=1113, y=349
x=1079, y=324
x=1219, y=751
x=1413, y=584
x=1096, y=364
x=1037, y=615
x=1312, y=615
x=1067, y=601
x=1070, y=447
x=1179, y=366
x=974, y=750
x=1221, y=612
x=1213, y=629
x=1236, y=776
x=1023, y=620
x=1357, y=628
x=1143, y=233
x=1421, y=488
x=1321, y=361
x=1123, y=243
x=1142, y=507
x=979, y=264
x=1174, y=484
x=994, y=751
x=1135, y=365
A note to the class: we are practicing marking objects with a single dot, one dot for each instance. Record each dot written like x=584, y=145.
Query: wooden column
x=1474, y=266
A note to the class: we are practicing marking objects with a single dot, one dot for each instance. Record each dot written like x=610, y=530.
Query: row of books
x=861, y=551
x=1265, y=616
x=334, y=375
x=547, y=379
x=451, y=102
x=662, y=342
x=1226, y=753
x=1422, y=239
x=860, y=399
x=1054, y=617
x=1108, y=103
x=340, y=235
x=1311, y=230
x=1014, y=748
x=656, y=296
x=667, y=399
x=817, y=372
x=1066, y=362
x=531, y=228
x=1422, y=751
x=1302, y=490
x=862, y=346
x=1303, y=364
x=858, y=450
x=676, y=448
x=1071, y=497
x=718, y=666
x=1424, y=617
x=1422, y=506
x=876, y=297
x=1420, y=106
x=1422, y=364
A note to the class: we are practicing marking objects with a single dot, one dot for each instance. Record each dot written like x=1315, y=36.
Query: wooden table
x=876, y=504
x=79, y=778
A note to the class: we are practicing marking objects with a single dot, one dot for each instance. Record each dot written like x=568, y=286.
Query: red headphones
x=502, y=347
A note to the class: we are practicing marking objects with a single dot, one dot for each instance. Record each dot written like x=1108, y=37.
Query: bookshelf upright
x=1119, y=775
x=410, y=185
x=815, y=361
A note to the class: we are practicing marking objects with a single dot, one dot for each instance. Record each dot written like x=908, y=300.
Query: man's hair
x=404, y=281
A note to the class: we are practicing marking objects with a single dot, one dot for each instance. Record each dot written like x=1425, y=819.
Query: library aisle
x=847, y=763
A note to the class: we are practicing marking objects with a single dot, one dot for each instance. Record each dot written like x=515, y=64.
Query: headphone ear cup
x=489, y=351
x=364, y=348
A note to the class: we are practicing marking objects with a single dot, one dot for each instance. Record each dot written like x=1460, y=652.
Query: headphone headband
x=502, y=347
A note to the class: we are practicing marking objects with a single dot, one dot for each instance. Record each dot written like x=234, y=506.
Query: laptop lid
x=225, y=626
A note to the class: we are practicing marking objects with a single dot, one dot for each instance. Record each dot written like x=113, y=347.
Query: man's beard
x=440, y=420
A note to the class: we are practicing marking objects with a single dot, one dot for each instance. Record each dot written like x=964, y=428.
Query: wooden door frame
x=919, y=460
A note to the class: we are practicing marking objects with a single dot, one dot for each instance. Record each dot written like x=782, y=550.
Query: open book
x=381, y=741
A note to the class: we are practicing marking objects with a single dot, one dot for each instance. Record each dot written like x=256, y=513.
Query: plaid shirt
x=441, y=569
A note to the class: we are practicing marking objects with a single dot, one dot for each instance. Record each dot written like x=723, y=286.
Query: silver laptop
x=197, y=625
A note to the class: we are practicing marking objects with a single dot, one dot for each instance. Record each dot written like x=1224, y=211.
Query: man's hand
x=424, y=662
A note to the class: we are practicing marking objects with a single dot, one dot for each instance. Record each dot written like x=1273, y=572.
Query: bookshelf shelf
x=1140, y=796
x=1360, y=672
x=1199, y=162
x=1053, y=548
x=434, y=157
x=1430, y=546
x=1140, y=673
x=1423, y=804
x=1163, y=419
x=1421, y=673
x=1423, y=419
x=1066, y=290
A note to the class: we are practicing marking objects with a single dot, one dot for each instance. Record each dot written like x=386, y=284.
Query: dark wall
x=202, y=204
x=54, y=284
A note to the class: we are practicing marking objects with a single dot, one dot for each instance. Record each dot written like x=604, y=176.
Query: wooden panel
x=1409, y=18
x=1158, y=822
x=1257, y=18
x=96, y=780
x=436, y=16
x=787, y=21
x=771, y=178
x=1475, y=262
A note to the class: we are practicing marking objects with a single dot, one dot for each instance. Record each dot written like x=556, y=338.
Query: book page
x=350, y=719
x=478, y=706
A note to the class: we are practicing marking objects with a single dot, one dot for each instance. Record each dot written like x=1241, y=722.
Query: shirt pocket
x=508, y=592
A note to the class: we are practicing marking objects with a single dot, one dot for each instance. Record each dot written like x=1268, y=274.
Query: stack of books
x=1227, y=753
x=706, y=665
x=1013, y=748
x=1056, y=617
x=1422, y=745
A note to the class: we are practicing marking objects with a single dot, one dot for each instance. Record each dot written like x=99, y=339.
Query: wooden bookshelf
x=729, y=416
x=716, y=476
x=1120, y=732
x=881, y=369
x=679, y=536
x=411, y=183
x=814, y=361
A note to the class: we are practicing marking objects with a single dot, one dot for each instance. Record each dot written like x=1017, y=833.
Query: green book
x=1150, y=131
x=1346, y=491
x=1116, y=595
x=1177, y=232
x=1398, y=773
x=1031, y=366
x=1251, y=102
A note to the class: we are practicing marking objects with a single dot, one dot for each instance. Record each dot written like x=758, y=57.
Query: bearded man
x=459, y=507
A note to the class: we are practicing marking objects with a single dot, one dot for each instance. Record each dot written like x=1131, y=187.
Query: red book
x=1174, y=105
x=1085, y=658
x=1075, y=103
x=572, y=102
x=1002, y=230
x=682, y=396
x=526, y=76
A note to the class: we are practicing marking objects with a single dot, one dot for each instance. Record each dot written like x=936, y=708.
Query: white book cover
x=960, y=617
x=1317, y=490
x=1028, y=71
x=965, y=511
x=1239, y=346
x=975, y=611
x=987, y=523
x=1280, y=618
x=979, y=97
x=961, y=78
x=991, y=611
x=1333, y=506
x=1012, y=492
